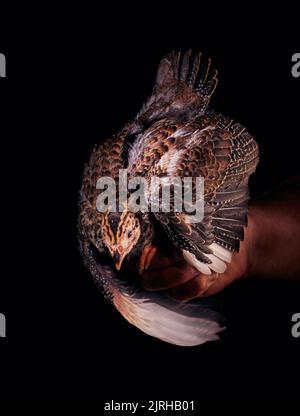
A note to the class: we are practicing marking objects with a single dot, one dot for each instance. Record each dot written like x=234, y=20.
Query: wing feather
x=157, y=315
x=225, y=156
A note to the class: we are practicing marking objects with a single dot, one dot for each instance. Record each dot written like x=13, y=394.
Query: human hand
x=183, y=282
x=270, y=250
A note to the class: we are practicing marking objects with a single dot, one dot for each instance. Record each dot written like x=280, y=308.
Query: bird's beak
x=118, y=259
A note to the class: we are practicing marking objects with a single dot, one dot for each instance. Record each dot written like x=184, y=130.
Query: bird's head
x=120, y=233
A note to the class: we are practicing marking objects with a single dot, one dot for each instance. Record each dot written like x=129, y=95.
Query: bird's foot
x=146, y=257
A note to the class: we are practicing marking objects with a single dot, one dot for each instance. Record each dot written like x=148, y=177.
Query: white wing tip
x=219, y=259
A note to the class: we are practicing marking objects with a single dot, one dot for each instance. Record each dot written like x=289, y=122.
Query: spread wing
x=184, y=324
x=174, y=136
x=224, y=154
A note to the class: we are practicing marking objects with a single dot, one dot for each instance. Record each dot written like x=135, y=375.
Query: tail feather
x=191, y=69
x=185, y=65
x=184, y=81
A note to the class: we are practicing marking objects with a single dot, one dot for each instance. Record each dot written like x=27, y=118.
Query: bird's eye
x=129, y=234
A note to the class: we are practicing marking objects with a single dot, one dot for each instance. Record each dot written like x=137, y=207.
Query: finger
x=219, y=284
x=160, y=261
x=194, y=288
x=168, y=277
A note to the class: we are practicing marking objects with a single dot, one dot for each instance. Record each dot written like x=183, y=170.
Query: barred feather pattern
x=176, y=134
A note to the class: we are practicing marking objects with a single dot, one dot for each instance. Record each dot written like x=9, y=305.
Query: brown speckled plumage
x=175, y=134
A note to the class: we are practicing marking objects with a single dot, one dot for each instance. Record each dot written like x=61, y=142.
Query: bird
x=175, y=134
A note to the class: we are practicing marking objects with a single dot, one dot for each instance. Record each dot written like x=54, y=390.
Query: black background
x=73, y=80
